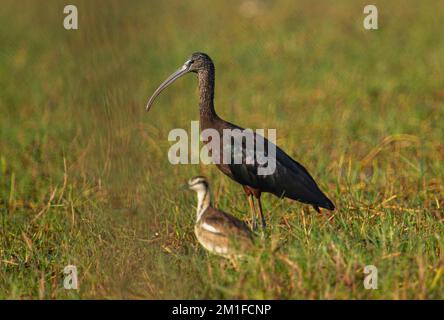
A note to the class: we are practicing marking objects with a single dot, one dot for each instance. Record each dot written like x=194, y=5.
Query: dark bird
x=217, y=231
x=290, y=179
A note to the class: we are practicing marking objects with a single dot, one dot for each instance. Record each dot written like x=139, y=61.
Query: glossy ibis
x=217, y=231
x=290, y=179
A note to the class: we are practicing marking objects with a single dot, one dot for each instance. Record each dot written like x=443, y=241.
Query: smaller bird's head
x=198, y=184
x=197, y=62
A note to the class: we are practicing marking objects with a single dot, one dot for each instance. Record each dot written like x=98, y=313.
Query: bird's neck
x=206, y=94
x=203, y=202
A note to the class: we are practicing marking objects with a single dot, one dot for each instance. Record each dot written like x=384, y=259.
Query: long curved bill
x=176, y=75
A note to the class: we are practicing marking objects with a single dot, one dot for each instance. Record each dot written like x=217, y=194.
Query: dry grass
x=84, y=176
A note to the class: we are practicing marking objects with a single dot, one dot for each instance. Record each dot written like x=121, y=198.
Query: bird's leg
x=261, y=213
x=253, y=212
x=257, y=195
x=252, y=208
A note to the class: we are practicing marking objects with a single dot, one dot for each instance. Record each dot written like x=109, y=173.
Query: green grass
x=84, y=176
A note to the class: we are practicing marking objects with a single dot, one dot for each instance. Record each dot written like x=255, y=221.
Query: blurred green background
x=84, y=175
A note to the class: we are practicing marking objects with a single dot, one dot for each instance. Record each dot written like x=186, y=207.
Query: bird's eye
x=190, y=62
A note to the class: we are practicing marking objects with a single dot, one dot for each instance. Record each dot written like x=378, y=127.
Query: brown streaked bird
x=290, y=179
x=217, y=231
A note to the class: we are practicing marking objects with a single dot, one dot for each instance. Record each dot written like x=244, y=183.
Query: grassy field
x=84, y=174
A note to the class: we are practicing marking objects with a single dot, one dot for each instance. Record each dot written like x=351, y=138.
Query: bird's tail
x=327, y=204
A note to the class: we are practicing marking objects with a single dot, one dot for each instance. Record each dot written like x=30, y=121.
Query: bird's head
x=198, y=184
x=196, y=63
x=199, y=61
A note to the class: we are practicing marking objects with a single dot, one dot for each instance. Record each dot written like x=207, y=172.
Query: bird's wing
x=289, y=179
x=225, y=224
x=296, y=182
